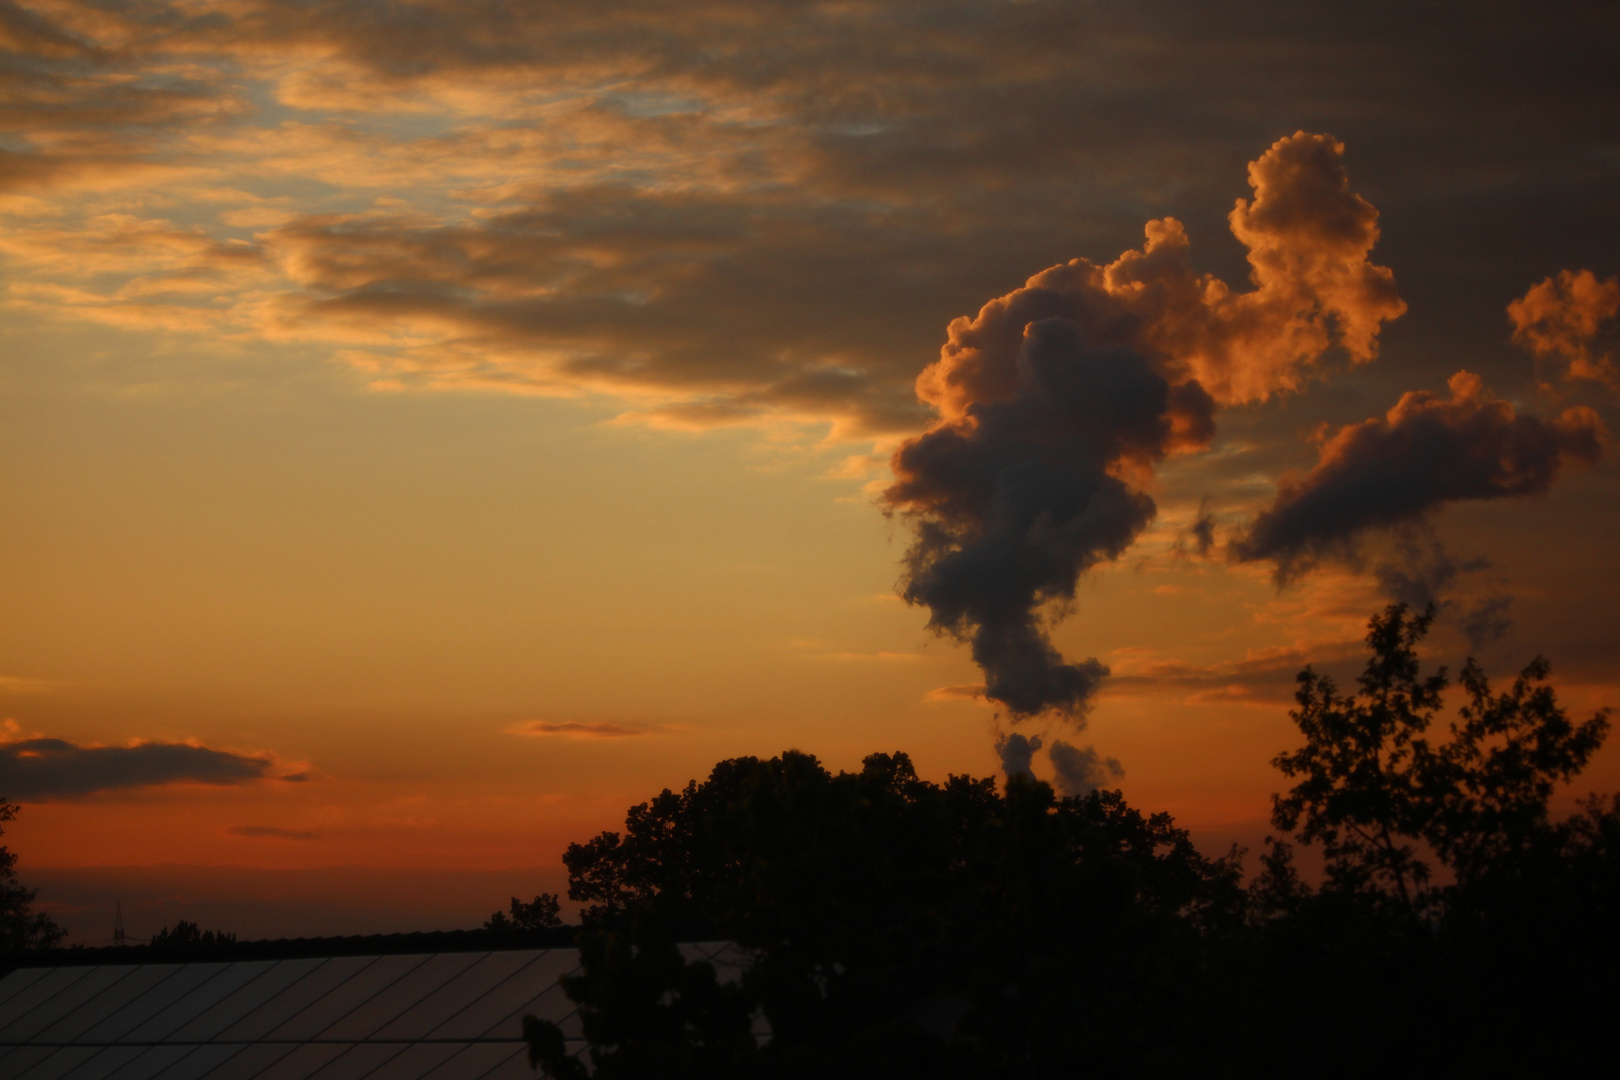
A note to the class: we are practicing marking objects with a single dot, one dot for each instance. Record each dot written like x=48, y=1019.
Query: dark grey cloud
x=1201, y=532
x=1081, y=770
x=41, y=770
x=1011, y=508
x=1426, y=452
x=1487, y=620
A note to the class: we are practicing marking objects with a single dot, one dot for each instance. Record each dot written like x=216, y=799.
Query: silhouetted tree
x=896, y=927
x=21, y=927
x=1413, y=964
x=1375, y=791
x=544, y=912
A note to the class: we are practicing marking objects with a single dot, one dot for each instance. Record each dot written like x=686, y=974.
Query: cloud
x=1056, y=401
x=578, y=729
x=1263, y=676
x=1569, y=319
x=958, y=692
x=43, y=769
x=1395, y=470
x=269, y=832
x=1080, y=771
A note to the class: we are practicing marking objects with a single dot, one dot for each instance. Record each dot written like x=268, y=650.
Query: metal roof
x=431, y=1016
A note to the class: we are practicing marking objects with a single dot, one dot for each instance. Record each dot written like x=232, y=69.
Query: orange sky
x=468, y=419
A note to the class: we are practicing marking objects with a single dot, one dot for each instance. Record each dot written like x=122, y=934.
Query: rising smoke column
x=1394, y=470
x=1057, y=400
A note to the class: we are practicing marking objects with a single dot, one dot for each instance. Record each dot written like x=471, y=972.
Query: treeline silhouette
x=905, y=928
x=21, y=927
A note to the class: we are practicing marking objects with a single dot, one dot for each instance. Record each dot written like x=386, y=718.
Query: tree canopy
x=897, y=926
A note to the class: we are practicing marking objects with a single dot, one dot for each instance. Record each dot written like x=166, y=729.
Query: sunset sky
x=427, y=428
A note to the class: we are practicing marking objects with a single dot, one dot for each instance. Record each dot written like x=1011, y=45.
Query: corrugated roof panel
x=153, y=1061
x=60, y=1063
x=401, y=996
x=40, y=991
x=359, y=1061
x=18, y=981
x=74, y=996
x=110, y=1000
x=254, y=1059
x=416, y=1060
x=201, y=1061
x=501, y=1009
x=266, y=980
x=444, y=1003
x=24, y=1058
x=347, y=996
x=144, y=999
x=296, y=997
x=106, y=1062
x=178, y=1002
x=445, y=1016
x=302, y=1062
x=479, y=1061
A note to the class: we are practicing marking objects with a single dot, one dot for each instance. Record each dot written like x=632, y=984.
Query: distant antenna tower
x=118, y=923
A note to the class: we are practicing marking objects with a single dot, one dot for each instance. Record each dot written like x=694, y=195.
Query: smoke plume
x=1427, y=451
x=1017, y=754
x=1057, y=400
x=1080, y=771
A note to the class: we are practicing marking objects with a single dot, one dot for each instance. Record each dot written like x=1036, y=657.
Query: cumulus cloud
x=1056, y=401
x=42, y=769
x=1427, y=451
x=1081, y=770
x=1569, y=320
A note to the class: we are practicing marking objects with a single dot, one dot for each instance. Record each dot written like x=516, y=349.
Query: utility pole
x=118, y=924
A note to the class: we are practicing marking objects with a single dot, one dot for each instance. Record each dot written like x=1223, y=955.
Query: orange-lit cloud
x=1569, y=320
x=1309, y=237
x=1058, y=399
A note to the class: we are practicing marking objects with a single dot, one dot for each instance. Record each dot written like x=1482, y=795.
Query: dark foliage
x=522, y=920
x=21, y=927
x=187, y=937
x=897, y=927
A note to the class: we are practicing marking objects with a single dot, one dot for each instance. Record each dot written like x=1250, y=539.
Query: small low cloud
x=1264, y=676
x=40, y=769
x=578, y=729
x=959, y=692
x=270, y=832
